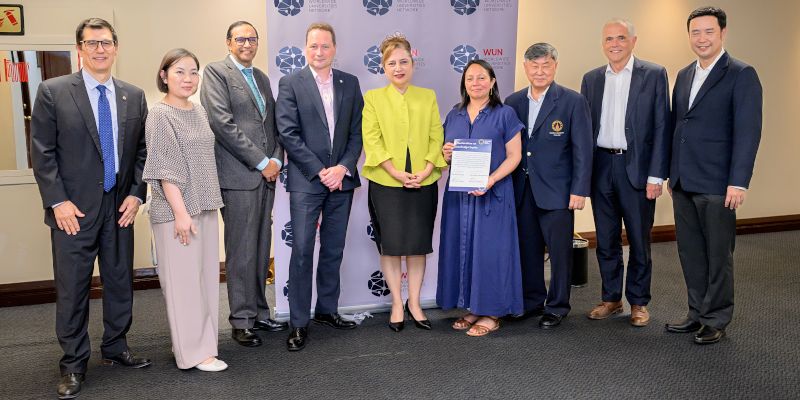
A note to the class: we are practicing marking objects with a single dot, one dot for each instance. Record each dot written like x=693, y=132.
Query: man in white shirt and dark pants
x=717, y=112
x=629, y=101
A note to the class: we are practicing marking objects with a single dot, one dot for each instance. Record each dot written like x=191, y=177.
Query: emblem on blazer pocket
x=557, y=128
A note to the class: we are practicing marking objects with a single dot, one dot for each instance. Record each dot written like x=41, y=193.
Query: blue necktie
x=106, y=140
x=248, y=73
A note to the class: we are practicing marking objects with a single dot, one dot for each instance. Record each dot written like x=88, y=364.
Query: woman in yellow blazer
x=403, y=136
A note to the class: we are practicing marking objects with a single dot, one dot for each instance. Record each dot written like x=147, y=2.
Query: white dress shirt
x=533, y=108
x=615, y=102
x=700, y=75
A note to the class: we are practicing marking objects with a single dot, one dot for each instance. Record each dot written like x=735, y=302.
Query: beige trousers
x=189, y=277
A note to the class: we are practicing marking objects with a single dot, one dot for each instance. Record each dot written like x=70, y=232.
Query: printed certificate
x=469, y=167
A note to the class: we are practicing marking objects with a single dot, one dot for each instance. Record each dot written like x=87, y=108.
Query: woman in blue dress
x=479, y=267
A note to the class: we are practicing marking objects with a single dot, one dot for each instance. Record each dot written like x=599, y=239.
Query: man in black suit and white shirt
x=716, y=113
x=88, y=152
x=629, y=100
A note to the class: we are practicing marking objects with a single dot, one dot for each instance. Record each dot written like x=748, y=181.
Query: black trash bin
x=580, y=262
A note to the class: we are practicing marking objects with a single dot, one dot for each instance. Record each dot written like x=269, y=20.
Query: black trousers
x=614, y=201
x=706, y=232
x=73, y=264
x=538, y=227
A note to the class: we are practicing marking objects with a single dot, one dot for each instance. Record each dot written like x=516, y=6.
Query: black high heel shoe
x=424, y=324
x=397, y=326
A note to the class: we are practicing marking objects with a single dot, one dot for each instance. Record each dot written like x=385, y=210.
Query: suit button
x=683, y=140
x=529, y=154
x=685, y=120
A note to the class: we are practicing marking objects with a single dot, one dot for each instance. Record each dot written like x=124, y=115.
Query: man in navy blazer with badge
x=629, y=99
x=552, y=181
x=319, y=121
x=716, y=112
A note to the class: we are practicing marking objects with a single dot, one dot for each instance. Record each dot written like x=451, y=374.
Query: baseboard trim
x=745, y=226
x=40, y=292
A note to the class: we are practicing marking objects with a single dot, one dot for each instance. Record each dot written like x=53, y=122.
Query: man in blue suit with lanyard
x=551, y=182
x=716, y=112
x=629, y=99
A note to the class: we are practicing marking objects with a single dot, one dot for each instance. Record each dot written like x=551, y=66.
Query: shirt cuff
x=57, y=204
x=137, y=198
x=279, y=162
x=739, y=187
x=346, y=171
x=655, y=180
x=263, y=164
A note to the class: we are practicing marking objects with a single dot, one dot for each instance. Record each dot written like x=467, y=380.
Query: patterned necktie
x=106, y=131
x=248, y=73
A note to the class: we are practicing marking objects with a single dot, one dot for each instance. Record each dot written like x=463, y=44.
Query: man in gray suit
x=241, y=112
x=319, y=119
x=88, y=152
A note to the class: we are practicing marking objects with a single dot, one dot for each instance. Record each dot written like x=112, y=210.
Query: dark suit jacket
x=304, y=133
x=715, y=141
x=558, y=155
x=647, y=119
x=243, y=136
x=65, y=146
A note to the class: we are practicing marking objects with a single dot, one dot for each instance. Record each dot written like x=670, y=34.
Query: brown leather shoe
x=639, y=316
x=605, y=310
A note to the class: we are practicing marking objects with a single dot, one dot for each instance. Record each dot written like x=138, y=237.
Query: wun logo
x=290, y=59
x=372, y=60
x=462, y=55
x=286, y=234
x=283, y=175
x=289, y=7
x=371, y=231
x=464, y=7
x=377, y=285
x=378, y=7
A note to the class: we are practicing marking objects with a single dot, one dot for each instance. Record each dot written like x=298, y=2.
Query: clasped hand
x=332, y=177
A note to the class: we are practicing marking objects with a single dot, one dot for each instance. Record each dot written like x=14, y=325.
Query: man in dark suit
x=716, y=112
x=551, y=182
x=629, y=100
x=241, y=112
x=88, y=152
x=319, y=120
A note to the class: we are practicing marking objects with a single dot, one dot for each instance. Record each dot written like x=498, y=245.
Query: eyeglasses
x=241, y=40
x=92, y=44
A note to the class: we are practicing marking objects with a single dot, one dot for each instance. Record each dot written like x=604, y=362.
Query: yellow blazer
x=393, y=122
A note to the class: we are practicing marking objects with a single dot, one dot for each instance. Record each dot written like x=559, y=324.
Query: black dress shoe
x=708, y=335
x=536, y=312
x=397, y=326
x=297, y=339
x=127, y=359
x=334, y=321
x=549, y=321
x=70, y=385
x=685, y=326
x=246, y=337
x=270, y=325
x=422, y=324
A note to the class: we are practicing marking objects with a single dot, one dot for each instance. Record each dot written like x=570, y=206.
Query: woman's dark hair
x=169, y=60
x=494, y=92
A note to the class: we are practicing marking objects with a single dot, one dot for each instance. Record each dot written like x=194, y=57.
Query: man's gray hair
x=540, y=50
x=624, y=22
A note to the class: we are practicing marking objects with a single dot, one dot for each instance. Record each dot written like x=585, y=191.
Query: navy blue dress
x=479, y=267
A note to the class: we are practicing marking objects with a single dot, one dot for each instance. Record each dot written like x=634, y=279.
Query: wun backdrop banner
x=444, y=35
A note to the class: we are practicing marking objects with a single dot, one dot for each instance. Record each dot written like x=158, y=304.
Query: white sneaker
x=214, y=366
